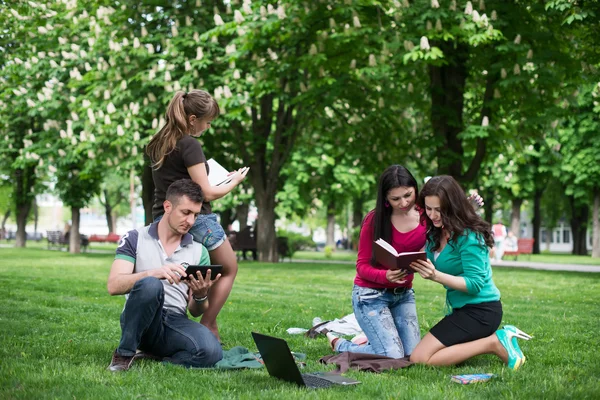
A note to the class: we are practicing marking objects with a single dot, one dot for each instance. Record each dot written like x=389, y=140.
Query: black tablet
x=214, y=270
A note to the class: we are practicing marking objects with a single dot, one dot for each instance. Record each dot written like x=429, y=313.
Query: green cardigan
x=468, y=257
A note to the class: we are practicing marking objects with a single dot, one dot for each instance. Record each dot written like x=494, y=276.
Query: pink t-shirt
x=374, y=276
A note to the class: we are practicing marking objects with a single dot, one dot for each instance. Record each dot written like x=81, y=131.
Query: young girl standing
x=177, y=154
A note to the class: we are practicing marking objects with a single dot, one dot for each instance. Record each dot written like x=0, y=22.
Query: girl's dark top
x=188, y=152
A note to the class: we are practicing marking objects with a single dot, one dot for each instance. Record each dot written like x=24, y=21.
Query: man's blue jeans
x=389, y=320
x=147, y=326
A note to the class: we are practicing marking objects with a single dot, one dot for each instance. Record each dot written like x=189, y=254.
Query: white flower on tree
x=238, y=17
x=469, y=8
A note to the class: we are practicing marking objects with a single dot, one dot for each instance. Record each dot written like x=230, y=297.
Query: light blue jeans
x=389, y=320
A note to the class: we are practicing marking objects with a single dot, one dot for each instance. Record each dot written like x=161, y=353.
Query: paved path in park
x=512, y=264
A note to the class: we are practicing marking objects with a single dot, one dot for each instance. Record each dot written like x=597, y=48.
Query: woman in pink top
x=383, y=300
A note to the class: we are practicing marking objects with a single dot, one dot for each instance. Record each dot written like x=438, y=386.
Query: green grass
x=559, y=258
x=545, y=257
x=58, y=328
x=337, y=255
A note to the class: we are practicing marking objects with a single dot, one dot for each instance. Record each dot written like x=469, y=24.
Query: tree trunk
x=24, y=179
x=488, y=205
x=266, y=241
x=515, y=217
x=74, y=236
x=108, y=210
x=22, y=215
x=579, y=219
x=113, y=220
x=596, y=225
x=227, y=218
x=147, y=189
x=330, y=231
x=241, y=212
x=36, y=216
x=4, y=219
x=537, y=220
x=357, y=212
x=447, y=88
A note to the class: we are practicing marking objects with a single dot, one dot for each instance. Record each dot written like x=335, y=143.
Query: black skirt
x=469, y=323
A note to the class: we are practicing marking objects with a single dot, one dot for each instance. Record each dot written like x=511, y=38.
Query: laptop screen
x=278, y=358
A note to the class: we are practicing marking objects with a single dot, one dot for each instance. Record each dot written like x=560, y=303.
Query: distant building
x=561, y=239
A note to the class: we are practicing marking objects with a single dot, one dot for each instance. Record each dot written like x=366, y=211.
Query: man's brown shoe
x=142, y=355
x=120, y=363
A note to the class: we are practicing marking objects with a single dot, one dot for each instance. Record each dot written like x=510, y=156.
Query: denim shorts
x=206, y=230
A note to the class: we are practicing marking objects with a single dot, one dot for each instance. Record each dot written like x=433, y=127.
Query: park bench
x=243, y=241
x=110, y=238
x=57, y=240
x=524, y=246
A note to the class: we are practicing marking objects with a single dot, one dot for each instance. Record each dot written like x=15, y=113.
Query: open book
x=217, y=175
x=386, y=255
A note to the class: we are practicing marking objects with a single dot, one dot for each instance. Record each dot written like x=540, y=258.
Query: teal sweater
x=468, y=257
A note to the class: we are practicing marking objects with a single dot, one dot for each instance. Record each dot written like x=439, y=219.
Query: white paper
x=217, y=174
x=387, y=246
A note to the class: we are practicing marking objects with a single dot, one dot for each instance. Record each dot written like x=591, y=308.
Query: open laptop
x=280, y=364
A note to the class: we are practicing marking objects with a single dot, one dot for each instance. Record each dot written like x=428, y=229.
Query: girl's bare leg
x=431, y=351
x=225, y=256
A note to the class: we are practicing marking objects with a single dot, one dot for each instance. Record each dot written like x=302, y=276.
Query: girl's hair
x=457, y=211
x=182, y=106
x=393, y=177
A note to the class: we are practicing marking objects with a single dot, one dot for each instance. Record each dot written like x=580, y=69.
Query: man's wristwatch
x=199, y=300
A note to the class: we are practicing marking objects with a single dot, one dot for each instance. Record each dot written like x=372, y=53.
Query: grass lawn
x=58, y=328
x=545, y=257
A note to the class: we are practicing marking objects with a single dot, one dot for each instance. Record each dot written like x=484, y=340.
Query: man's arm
x=121, y=279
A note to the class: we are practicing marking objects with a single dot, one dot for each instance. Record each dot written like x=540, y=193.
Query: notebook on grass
x=280, y=364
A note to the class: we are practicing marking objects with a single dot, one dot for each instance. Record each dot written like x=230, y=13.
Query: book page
x=217, y=174
x=406, y=253
x=388, y=247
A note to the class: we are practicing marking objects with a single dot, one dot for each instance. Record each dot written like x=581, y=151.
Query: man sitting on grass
x=147, y=268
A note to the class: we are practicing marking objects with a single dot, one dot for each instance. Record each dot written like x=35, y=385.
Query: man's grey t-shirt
x=143, y=248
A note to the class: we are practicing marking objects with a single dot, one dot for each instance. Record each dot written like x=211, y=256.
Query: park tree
x=580, y=169
x=26, y=103
x=114, y=198
x=286, y=63
x=578, y=132
x=6, y=205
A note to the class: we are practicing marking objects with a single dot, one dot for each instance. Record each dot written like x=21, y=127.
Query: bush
x=328, y=251
x=296, y=241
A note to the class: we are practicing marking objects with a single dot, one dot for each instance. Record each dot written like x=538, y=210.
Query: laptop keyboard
x=315, y=381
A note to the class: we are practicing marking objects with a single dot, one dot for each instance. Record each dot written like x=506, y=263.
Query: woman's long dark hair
x=394, y=176
x=457, y=212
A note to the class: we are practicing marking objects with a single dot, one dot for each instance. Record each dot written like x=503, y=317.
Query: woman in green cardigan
x=458, y=243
